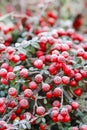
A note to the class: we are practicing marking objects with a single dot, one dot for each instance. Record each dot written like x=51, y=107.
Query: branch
x=8, y=115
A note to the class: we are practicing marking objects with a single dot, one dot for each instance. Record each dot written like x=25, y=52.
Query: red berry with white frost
x=12, y=92
x=38, y=63
x=38, y=78
x=24, y=103
x=40, y=110
x=57, y=92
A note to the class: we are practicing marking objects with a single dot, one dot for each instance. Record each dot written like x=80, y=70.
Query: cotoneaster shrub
x=40, y=80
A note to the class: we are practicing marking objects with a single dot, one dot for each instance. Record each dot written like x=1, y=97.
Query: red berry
x=22, y=117
x=65, y=79
x=38, y=64
x=13, y=116
x=73, y=83
x=24, y=73
x=74, y=128
x=4, y=81
x=75, y=105
x=3, y=72
x=52, y=70
x=54, y=113
x=83, y=127
x=69, y=108
x=28, y=93
x=2, y=101
x=42, y=126
x=32, y=85
x=61, y=59
x=57, y=80
x=56, y=103
x=78, y=91
x=2, y=47
x=5, y=66
x=54, y=58
x=40, y=110
x=3, y=125
x=78, y=76
x=57, y=92
x=60, y=117
x=38, y=78
x=45, y=87
x=64, y=112
x=22, y=56
x=10, y=75
x=2, y=109
x=18, y=110
x=49, y=94
x=66, y=119
x=12, y=92
x=39, y=53
x=10, y=50
x=15, y=58
x=23, y=103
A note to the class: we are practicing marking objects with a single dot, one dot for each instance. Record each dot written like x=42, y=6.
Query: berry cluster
x=41, y=85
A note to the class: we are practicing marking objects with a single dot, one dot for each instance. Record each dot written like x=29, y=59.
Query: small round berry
x=49, y=94
x=54, y=113
x=22, y=56
x=43, y=126
x=38, y=78
x=23, y=103
x=66, y=119
x=28, y=93
x=24, y=73
x=78, y=91
x=64, y=112
x=83, y=127
x=2, y=109
x=75, y=105
x=74, y=128
x=32, y=85
x=10, y=75
x=45, y=87
x=2, y=47
x=40, y=110
x=4, y=81
x=69, y=108
x=12, y=92
x=57, y=80
x=13, y=116
x=3, y=125
x=5, y=66
x=56, y=103
x=65, y=79
x=3, y=72
x=2, y=101
x=15, y=58
x=38, y=63
x=78, y=76
x=57, y=92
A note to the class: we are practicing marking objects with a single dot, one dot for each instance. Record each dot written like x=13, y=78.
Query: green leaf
x=28, y=125
x=38, y=120
x=45, y=101
x=84, y=119
x=43, y=120
x=36, y=45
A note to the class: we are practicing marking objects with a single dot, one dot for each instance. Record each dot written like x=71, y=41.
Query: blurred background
x=67, y=10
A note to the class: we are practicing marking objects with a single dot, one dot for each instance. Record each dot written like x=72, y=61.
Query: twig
x=62, y=99
x=6, y=16
x=8, y=115
x=35, y=104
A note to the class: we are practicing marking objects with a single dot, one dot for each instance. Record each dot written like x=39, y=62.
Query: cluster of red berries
x=43, y=79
